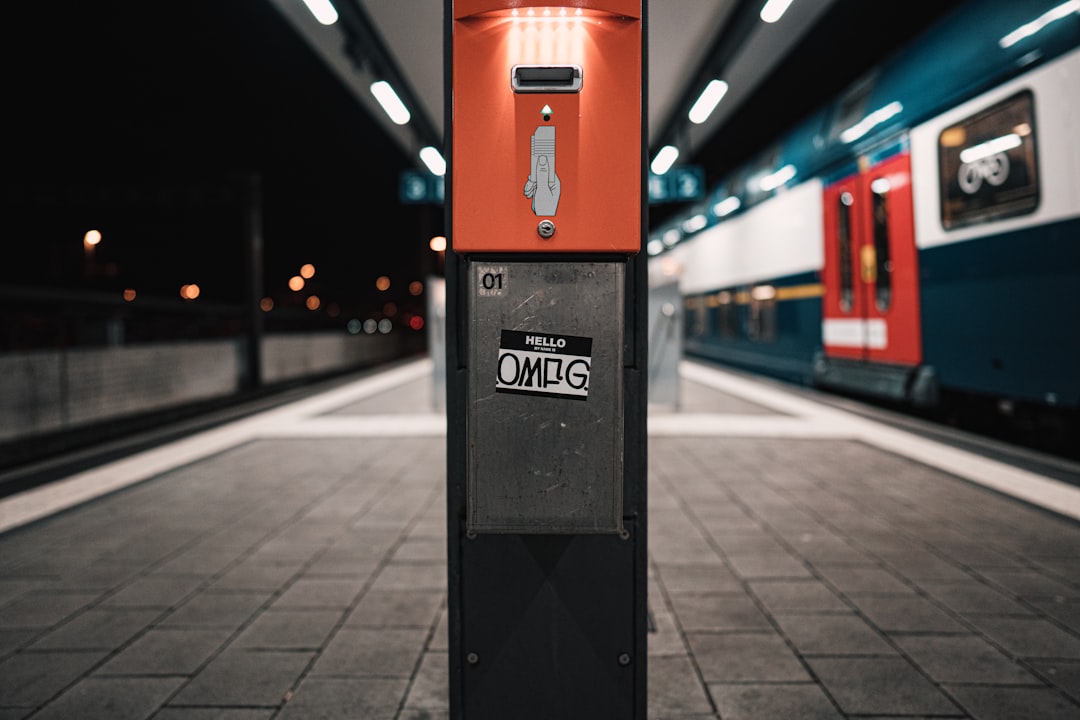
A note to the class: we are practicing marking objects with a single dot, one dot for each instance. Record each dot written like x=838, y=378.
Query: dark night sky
x=121, y=115
x=110, y=102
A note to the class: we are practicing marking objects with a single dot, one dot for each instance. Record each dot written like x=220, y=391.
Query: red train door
x=871, y=275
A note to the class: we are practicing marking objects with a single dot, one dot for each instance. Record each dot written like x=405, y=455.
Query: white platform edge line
x=41, y=502
x=1028, y=486
x=365, y=426
x=352, y=392
x=704, y=424
x=1015, y=482
x=811, y=420
x=756, y=392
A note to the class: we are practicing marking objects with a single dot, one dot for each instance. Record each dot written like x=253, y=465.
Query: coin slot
x=546, y=78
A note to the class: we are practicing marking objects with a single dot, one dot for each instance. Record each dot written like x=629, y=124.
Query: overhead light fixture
x=692, y=224
x=1029, y=29
x=390, y=102
x=323, y=10
x=726, y=206
x=774, y=10
x=434, y=160
x=991, y=147
x=774, y=180
x=664, y=159
x=708, y=100
x=871, y=121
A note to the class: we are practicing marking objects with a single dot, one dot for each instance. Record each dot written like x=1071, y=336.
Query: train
x=916, y=239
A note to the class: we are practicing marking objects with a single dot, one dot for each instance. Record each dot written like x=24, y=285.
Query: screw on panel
x=624, y=534
x=472, y=658
x=470, y=534
x=545, y=229
x=624, y=659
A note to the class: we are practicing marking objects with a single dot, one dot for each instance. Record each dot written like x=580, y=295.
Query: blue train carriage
x=919, y=234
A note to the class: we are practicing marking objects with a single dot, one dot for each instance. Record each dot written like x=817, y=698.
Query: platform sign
x=419, y=188
x=677, y=185
x=659, y=190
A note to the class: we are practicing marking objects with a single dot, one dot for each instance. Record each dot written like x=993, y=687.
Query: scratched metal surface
x=545, y=464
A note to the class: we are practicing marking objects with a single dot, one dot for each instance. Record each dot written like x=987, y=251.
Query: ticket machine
x=546, y=359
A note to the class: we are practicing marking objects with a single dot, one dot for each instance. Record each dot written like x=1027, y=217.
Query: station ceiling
x=122, y=112
x=775, y=71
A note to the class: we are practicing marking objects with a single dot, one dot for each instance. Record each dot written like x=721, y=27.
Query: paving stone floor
x=796, y=571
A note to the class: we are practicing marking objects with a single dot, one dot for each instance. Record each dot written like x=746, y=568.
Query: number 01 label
x=491, y=280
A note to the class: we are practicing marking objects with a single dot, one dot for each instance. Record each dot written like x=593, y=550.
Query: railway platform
x=805, y=562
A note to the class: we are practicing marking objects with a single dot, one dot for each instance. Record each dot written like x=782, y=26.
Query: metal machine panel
x=544, y=421
x=547, y=128
x=555, y=638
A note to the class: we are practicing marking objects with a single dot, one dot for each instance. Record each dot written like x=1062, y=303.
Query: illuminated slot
x=546, y=78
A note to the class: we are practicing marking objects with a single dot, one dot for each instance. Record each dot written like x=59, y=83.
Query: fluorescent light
x=671, y=237
x=434, y=160
x=323, y=10
x=774, y=10
x=726, y=206
x=708, y=100
x=990, y=147
x=871, y=121
x=776, y=179
x=1029, y=29
x=695, y=223
x=390, y=102
x=655, y=247
x=664, y=159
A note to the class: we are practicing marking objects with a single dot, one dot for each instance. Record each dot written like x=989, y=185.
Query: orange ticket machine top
x=547, y=127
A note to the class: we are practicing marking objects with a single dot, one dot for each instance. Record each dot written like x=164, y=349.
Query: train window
x=761, y=323
x=843, y=231
x=882, y=259
x=988, y=164
x=697, y=314
x=727, y=315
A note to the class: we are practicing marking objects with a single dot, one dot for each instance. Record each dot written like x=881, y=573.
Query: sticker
x=491, y=280
x=543, y=186
x=533, y=363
